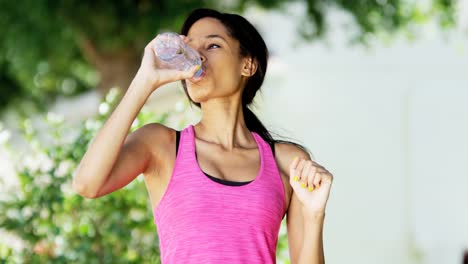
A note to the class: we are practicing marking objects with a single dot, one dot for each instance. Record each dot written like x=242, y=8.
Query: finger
x=294, y=163
x=312, y=177
x=172, y=75
x=179, y=75
x=292, y=168
x=191, y=72
x=184, y=38
x=299, y=168
x=318, y=165
x=327, y=177
x=305, y=174
x=317, y=180
x=150, y=45
x=323, y=177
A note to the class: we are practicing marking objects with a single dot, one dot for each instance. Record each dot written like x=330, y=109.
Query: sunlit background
x=377, y=90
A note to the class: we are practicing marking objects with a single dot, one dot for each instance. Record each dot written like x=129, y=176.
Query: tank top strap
x=268, y=151
x=272, y=177
x=186, y=138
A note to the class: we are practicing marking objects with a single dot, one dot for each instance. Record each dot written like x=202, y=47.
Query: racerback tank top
x=202, y=221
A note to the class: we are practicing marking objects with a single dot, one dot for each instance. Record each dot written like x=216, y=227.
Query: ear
x=249, y=67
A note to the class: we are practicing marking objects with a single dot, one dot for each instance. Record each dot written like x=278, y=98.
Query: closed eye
x=213, y=45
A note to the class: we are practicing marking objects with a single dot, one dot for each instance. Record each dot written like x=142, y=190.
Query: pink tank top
x=202, y=221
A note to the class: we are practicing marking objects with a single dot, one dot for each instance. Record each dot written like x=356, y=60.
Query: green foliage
x=39, y=56
x=374, y=17
x=113, y=26
x=59, y=226
x=42, y=52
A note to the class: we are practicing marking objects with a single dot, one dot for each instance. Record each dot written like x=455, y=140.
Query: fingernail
x=311, y=188
x=303, y=185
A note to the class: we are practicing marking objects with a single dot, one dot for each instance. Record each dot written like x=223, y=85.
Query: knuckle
x=314, y=170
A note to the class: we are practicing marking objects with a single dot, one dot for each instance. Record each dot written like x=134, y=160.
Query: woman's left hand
x=311, y=183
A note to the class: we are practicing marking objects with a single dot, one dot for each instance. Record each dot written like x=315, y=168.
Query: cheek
x=224, y=64
x=228, y=81
x=226, y=73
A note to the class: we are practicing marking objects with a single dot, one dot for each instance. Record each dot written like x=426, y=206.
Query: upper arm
x=136, y=157
x=294, y=219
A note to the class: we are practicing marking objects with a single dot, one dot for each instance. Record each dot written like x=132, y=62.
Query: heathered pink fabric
x=202, y=221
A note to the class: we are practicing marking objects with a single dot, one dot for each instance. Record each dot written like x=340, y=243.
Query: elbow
x=83, y=190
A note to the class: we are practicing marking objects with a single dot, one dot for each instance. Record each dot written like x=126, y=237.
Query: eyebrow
x=212, y=36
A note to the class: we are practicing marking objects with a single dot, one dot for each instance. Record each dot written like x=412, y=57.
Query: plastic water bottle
x=175, y=54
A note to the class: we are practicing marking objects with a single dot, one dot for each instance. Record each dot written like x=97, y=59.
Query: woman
x=221, y=187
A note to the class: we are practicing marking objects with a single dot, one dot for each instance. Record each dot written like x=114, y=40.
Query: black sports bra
x=225, y=182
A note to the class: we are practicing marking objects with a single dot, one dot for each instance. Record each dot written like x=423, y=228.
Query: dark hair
x=251, y=44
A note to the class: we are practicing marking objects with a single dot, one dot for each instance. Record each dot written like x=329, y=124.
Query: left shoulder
x=285, y=154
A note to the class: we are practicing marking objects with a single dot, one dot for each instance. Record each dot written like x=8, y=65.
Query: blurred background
x=376, y=89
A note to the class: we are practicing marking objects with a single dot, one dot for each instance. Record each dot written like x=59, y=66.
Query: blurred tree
x=51, y=48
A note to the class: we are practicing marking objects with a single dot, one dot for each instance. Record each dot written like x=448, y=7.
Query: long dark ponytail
x=251, y=44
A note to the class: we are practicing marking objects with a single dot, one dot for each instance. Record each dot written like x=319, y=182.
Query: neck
x=223, y=123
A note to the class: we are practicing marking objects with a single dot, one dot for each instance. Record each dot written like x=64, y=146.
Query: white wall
x=439, y=169
x=391, y=124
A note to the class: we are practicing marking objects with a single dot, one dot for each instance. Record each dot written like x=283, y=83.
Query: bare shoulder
x=158, y=138
x=156, y=129
x=151, y=131
x=285, y=154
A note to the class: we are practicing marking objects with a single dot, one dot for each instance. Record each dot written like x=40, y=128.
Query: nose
x=202, y=57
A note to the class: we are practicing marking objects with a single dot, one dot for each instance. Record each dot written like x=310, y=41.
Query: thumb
x=191, y=72
x=173, y=75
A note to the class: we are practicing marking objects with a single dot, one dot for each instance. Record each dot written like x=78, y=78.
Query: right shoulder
x=159, y=140
x=154, y=129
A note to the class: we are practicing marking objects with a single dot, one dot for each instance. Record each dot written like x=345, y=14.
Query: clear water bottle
x=175, y=54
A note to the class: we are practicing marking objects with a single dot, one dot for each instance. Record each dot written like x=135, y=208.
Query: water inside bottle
x=167, y=53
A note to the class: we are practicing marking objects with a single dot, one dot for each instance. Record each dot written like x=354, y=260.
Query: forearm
x=312, y=246
x=104, y=149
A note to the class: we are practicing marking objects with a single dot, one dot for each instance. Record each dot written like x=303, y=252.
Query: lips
x=197, y=79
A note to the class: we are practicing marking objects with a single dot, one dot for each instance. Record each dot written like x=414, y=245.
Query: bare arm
x=305, y=232
x=113, y=160
x=312, y=244
x=99, y=162
x=305, y=235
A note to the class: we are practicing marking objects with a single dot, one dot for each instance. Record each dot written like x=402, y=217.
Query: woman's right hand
x=152, y=72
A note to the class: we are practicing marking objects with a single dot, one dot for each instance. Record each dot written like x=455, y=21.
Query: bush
x=59, y=226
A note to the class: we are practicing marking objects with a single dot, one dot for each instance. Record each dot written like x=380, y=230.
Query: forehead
x=207, y=26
